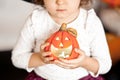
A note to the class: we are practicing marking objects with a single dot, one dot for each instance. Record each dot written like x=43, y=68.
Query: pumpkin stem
x=63, y=27
x=69, y=30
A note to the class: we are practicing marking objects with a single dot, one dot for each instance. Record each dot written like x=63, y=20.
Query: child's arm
x=22, y=54
x=35, y=60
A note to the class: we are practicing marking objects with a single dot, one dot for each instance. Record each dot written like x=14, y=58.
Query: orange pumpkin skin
x=62, y=45
x=112, y=3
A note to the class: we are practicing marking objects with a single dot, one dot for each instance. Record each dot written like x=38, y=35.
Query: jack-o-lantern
x=113, y=3
x=62, y=43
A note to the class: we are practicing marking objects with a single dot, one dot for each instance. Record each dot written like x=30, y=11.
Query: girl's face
x=62, y=8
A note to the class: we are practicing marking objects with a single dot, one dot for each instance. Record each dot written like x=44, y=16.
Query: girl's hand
x=40, y=58
x=73, y=63
x=45, y=56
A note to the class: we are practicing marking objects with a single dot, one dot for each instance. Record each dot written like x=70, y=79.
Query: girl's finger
x=45, y=54
x=79, y=51
x=44, y=45
x=48, y=59
x=64, y=65
x=70, y=62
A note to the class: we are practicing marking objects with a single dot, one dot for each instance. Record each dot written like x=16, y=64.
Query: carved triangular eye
x=57, y=38
x=66, y=38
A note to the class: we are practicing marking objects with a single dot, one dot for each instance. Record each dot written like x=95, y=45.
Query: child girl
x=94, y=58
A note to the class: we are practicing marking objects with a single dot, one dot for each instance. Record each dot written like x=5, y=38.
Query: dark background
x=7, y=70
x=28, y=1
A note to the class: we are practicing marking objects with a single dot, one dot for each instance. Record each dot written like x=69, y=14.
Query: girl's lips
x=61, y=10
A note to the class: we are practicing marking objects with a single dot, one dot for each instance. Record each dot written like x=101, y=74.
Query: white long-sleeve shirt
x=40, y=26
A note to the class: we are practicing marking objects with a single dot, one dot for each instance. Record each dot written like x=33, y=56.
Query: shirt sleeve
x=23, y=49
x=99, y=47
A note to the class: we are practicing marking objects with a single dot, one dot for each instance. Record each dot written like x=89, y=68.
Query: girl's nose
x=59, y=2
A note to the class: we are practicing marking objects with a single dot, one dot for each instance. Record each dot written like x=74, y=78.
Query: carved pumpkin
x=113, y=3
x=63, y=42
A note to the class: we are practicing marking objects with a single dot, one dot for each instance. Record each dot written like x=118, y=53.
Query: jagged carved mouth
x=61, y=52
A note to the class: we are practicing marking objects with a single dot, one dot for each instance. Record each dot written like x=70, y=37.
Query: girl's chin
x=61, y=16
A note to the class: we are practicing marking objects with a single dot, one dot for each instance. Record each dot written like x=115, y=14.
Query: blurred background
x=13, y=14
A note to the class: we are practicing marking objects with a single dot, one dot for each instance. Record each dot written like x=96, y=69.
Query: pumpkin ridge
x=50, y=39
